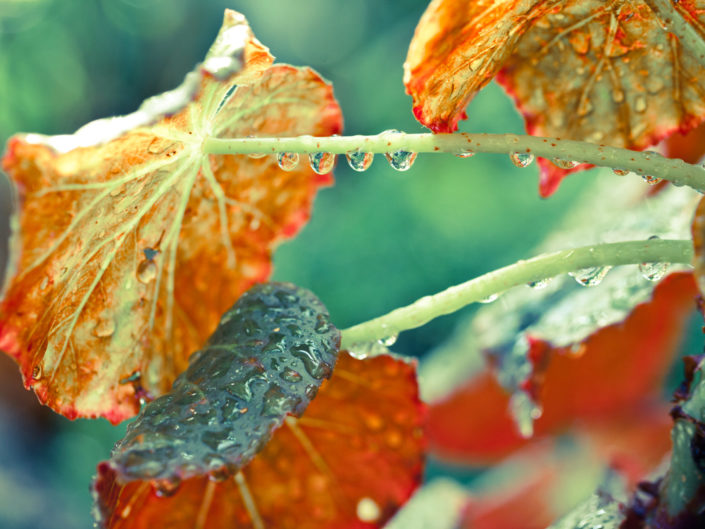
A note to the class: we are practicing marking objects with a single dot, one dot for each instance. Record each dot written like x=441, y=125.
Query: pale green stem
x=541, y=267
x=643, y=163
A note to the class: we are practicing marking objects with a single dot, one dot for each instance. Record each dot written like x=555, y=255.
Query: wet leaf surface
x=624, y=72
x=350, y=460
x=129, y=243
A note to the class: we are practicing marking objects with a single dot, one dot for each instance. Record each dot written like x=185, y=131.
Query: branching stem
x=520, y=273
x=643, y=163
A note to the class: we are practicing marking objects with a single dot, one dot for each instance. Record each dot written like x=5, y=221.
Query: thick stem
x=541, y=267
x=643, y=163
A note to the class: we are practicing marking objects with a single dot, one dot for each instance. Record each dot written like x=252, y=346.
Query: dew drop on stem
x=322, y=162
x=465, y=154
x=288, y=161
x=653, y=271
x=489, y=299
x=359, y=160
x=651, y=180
x=401, y=160
x=620, y=172
x=590, y=277
x=538, y=285
x=521, y=159
x=564, y=164
x=388, y=341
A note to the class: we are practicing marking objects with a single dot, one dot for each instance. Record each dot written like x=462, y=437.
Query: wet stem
x=520, y=273
x=642, y=163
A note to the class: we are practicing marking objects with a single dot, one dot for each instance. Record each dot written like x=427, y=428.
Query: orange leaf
x=617, y=368
x=605, y=72
x=349, y=462
x=130, y=243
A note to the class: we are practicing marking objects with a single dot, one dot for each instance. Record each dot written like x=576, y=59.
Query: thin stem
x=541, y=267
x=643, y=163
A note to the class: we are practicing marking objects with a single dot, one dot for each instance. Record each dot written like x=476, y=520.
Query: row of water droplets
x=358, y=160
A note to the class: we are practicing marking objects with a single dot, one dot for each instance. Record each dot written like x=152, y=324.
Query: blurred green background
x=377, y=240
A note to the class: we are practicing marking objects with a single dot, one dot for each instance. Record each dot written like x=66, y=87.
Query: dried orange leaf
x=130, y=243
x=622, y=72
x=350, y=461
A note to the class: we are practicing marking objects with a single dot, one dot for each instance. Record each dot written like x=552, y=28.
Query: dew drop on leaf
x=564, y=164
x=167, y=486
x=524, y=412
x=620, y=172
x=146, y=271
x=367, y=510
x=322, y=162
x=288, y=161
x=359, y=161
x=105, y=327
x=590, y=277
x=388, y=341
x=521, y=159
x=465, y=154
x=37, y=372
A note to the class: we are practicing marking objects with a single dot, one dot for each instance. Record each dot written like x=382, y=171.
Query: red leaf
x=130, y=243
x=615, y=369
x=354, y=457
x=606, y=72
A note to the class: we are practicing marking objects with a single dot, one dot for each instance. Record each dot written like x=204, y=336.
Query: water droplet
x=360, y=161
x=290, y=375
x=620, y=172
x=653, y=271
x=367, y=510
x=651, y=180
x=146, y=271
x=256, y=155
x=564, y=164
x=521, y=159
x=166, y=487
x=388, y=341
x=524, y=412
x=37, y=372
x=640, y=103
x=541, y=283
x=465, y=154
x=322, y=162
x=401, y=160
x=105, y=327
x=590, y=277
x=288, y=161
x=489, y=299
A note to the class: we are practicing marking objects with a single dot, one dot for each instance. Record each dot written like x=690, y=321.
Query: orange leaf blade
x=128, y=250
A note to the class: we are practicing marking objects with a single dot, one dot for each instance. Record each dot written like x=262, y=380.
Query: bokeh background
x=377, y=240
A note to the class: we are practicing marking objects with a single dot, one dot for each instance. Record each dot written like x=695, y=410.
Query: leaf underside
x=625, y=73
x=127, y=250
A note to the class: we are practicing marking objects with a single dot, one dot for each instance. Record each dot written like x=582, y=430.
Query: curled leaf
x=130, y=242
x=624, y=73
x=349, y=461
